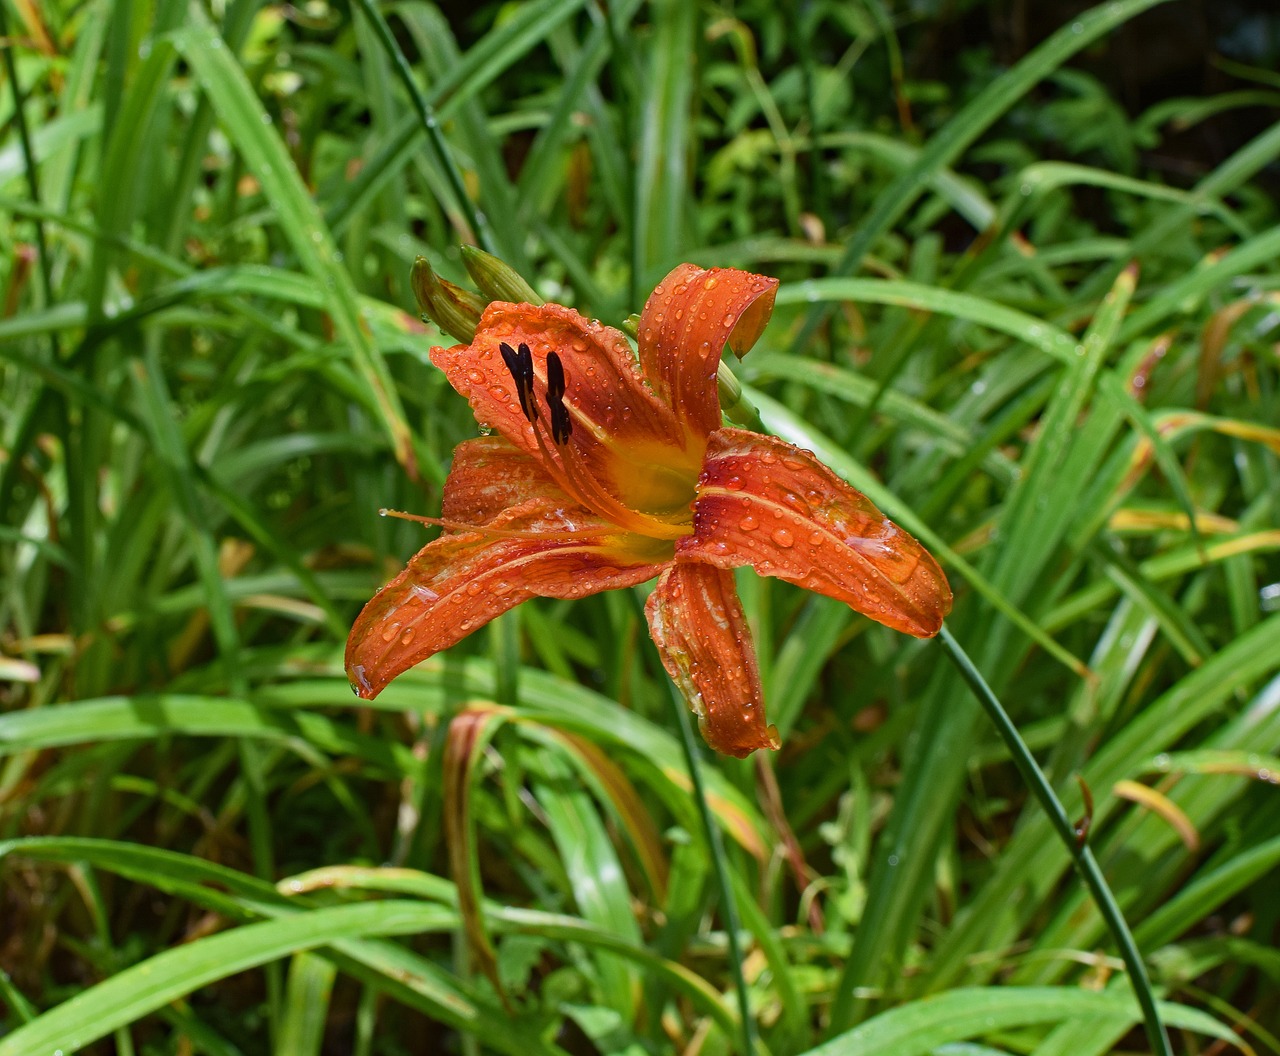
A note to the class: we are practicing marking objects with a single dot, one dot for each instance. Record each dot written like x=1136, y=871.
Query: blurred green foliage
x=212, y=381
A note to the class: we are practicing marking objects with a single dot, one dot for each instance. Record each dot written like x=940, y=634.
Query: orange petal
x=490, y=476
x=697, y=622
x=687, y=321
x=628, y=456
x=765, y=503
x=461, y=581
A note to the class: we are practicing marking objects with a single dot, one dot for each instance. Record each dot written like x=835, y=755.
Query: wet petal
x=490, y=476
x=765, y=503
x=626, y=449
x=461, y=581
x=697, y=623
x=689, y=318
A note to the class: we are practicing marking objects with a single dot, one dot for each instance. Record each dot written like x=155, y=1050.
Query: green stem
x=1079, y=850
x=28, y=156
x=475, y=219
x=729, y=908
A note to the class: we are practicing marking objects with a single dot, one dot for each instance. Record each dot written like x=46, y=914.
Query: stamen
x=578, y=481
x=561, y=423
x=520, y=366
x=480, y=529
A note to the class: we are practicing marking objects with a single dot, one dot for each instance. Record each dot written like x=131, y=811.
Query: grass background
x=1030, y=305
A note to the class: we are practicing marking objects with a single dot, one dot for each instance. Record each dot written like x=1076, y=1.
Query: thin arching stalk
x=1077, y=847
x=728, y=907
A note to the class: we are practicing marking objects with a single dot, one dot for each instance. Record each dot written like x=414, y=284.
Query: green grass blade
x=960, y=132
x=248, y=126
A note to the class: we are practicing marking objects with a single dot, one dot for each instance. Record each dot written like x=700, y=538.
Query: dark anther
x=561, y=426
x=520, y=365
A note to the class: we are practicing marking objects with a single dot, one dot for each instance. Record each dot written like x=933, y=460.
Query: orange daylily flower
x=605, y=473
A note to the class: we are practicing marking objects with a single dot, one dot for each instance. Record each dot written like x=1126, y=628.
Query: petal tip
x=360, y=684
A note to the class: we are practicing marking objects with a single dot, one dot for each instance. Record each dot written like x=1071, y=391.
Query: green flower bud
x=454, y=310
x=497, y=280
x=736, y=407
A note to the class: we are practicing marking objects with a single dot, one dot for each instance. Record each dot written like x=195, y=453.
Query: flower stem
x=1079, y=850
x=728, y=907
x=29, y=158
x=474, y=218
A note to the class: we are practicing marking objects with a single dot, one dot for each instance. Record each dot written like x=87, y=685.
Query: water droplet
x=475, y=376
x=730, y=319
x=499, y=393
x=748, y=523
x=424, y=594
x=768, y=458
x=473, y=589
x=815, y=538
x=389, y=631
x=783, y=538
x=407, y=637
x=710, y=283
x=679, y=314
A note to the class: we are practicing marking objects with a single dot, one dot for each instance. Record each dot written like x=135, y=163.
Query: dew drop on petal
x=815, y=539
x=783, y=538
x=475, y=376
x=389, y=631
x=730, y=319
x=748, y=523
x=473, y=589
x=407, y=637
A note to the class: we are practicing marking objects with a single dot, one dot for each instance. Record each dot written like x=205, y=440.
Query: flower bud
x=736, y=407
x=454, y=310
x=497, y=280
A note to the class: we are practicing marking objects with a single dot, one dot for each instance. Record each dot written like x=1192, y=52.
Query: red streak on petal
x=765, y=503
x=689, y=318
x=459, y=582
x=698, y=624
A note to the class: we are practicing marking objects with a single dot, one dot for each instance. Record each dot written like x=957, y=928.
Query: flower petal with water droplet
x=698, y=625
x=823, y=534
x=462, y=580
x=687, y=322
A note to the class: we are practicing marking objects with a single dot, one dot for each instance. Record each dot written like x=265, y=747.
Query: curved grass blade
x=978, y=115
x=923, y=1026
x=248, y=126
x=146, y=987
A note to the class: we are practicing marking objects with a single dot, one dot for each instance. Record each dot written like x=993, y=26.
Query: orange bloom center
x=649, y=484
